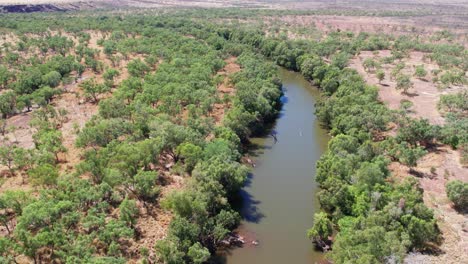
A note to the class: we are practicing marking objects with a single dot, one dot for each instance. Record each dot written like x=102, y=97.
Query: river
x=279, y=199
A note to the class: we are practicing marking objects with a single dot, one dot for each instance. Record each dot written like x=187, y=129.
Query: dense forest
x=155, y=80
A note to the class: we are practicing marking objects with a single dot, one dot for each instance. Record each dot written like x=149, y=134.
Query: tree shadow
x=255, y=150
x=246, y=204
x=221, y=257
x=411, y=94
x=420, y=174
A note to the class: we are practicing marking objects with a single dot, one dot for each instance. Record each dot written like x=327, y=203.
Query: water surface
x=279, y=199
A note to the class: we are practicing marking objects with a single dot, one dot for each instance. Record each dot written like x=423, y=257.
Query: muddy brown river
x=279, y=199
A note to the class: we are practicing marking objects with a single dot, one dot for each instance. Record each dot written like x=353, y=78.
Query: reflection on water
x=279, y=197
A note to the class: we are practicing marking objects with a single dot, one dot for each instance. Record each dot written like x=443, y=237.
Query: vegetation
x=160, y=121
x=375, y=220
x=145, y=122
x=457, y=192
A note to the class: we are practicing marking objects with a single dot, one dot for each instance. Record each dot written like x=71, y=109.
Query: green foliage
x=44, y=174
x=7, y=104
x=420, y=72
x=198, y=253
x=453, y=77
x=370, y=65
x=322, y=227
x=417, y=132
x=92, y=89
x=455, y=103
x=380, y=74
x=403, y=82
x=128, y=212
x=409, y=156
x=457, y=192
x=191, y=154
x=137, y=68
x=52, y=79
x=146, y=185
x=164, y=117
x=109, y=76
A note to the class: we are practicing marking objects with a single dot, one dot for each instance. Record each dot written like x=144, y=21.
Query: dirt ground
x=225, y=88
x=424, y=95
x=452, y=224
x=423, y=26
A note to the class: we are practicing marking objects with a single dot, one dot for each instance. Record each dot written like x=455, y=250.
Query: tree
x=44, y=174
x=138, y=68
x=369, y=64
x=128, y=212
x=420, y=72
x=410, y=155
x=43, y=95
x=28, y=81
x=145, y=185
x=92, y=89
x=24, y=100
x=52, y=79
x=7, y=158
x=321, y=230
x=7, y=104
x=190, y=154
x=417, y=132
x=11, y=206
x=50, y=141
x=457, y=192
x=109, y=77
x=198, y=253
x=380, y=75
x=403, y=83
x=169, y=252
x=5, y=76
x=239, y=120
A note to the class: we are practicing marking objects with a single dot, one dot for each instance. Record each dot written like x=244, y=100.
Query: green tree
x=321, y=229
x=138, y=68
x=457, y=192
x=369, y=64
x=198, y=253
x=52, y=79
x=190, y=154
x=380, y=75
x=109, y=77
x=403, y=82
x=7, y=104
x=420, y=72
x=50, y=141
x=410, y=155
x=7, y=158
x=5, y=76
x=43, y=95
x=44, y=174
x=145, y=185
x=92, y=89
x=128, y=212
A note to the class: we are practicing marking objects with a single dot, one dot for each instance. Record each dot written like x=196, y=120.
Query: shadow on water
x=247, y=205
x=244, y=202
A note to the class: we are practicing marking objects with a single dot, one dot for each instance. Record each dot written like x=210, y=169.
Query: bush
x=457, y=192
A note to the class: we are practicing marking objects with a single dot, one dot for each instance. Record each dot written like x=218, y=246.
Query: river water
x=279, y=199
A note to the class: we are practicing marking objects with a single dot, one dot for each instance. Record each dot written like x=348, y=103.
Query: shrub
x=457, y=192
